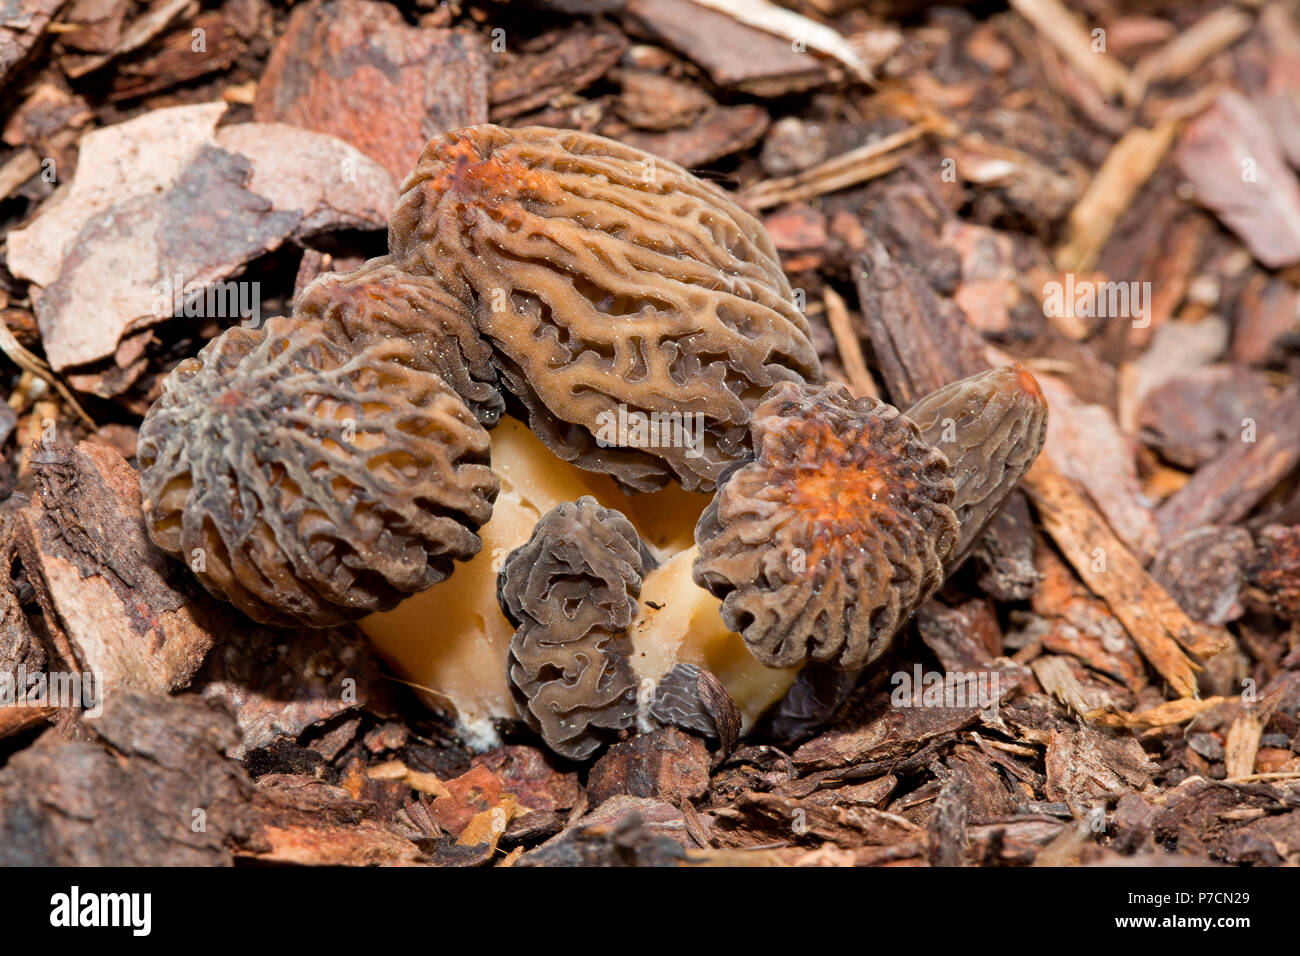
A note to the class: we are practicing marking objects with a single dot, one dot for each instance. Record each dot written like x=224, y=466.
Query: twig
x=770, y=18
x=1125, y=170
x=839, y=172
x=34, y=364
x=1188, y=50
x=1059, y=27
x=1154, y=620
x=850, y=349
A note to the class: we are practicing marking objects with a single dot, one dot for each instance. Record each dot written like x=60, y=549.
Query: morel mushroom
x=571, y=592
x=379, y=301
x=622, y=295
x=823, y=545
x=606, y=289
x=990, y=427
x=850, y=516
x=311, y=482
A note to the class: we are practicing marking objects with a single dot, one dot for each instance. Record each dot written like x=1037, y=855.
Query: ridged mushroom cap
x=839, y=528
x=311, y=482
x=571, y=592
x=612, y=285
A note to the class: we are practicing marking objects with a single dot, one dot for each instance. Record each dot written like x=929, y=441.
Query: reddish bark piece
x=1194, y=418
x=472, y=793
x=920, y=341
x=734, y=55
x=1237, y=168
x=47, y=109
x=888, y=732
x=1160, y=627
x=966, y=637
x=306, y=821
x=796, y=227
x=1203, y=570
x=1275, y=569
x=279, y=684
x=989, y=276
x=527, y=773
x=21, y=24
x=722, y=131
x=761, y=819
x=654, y=101
x=98, y=25
x=1227, y=489
x=1267, y=314
x=358, y=71
x=177, y=60
x=623, y=831
x=552, y=66
x=116, y=606
x=1087, y=763
x=1074, y=431
x=1270, y=841
x=1081, y=625
x=365, y=843
x=76, y=804
x=667, y=764
x=1004, y=554
x=1192, y=815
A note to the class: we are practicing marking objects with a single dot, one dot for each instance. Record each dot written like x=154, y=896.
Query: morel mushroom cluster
x=335, y=464
x=844, y=519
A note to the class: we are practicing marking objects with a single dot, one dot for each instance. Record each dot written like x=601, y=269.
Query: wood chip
x=1153, y=619
x=1237, y=168
x=797, y=28
x=1189, y=49
x=733, y=54
x=337, y=60
x=1168, y=714
x=847, y=169
x=117, y=607
x=1228, y=488
x=1059, y=27
x=1242, y=745
x=850, y=348
x=1126, y=169
x=563, y=64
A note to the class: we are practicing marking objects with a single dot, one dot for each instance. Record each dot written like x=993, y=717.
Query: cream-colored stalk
x=680, y=622
x=451, y=641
